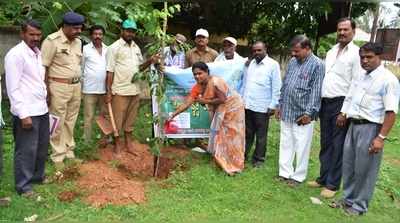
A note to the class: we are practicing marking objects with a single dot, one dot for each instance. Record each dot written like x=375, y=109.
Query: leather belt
x=361, y=121
x=73, y=80
x=335, y=99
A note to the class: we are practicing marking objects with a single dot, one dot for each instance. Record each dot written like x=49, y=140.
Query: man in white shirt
x=342, y=66
x=26, y=90
x=371, y=106
x=94, y=78
x=229, y=53
x=262, y=84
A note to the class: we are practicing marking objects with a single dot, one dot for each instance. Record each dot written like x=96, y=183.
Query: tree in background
x=109, y=14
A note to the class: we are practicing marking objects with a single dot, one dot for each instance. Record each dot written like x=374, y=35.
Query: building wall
x=9, y=37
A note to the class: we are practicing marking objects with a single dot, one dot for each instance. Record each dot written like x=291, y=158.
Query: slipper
x=199, y=150
x=337, y=204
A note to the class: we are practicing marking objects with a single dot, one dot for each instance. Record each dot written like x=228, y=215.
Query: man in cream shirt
x=342, y=67
x=124, y=60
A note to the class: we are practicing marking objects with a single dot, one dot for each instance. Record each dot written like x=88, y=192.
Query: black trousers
x=332, y=140
x=256, y=125
x=30, y=152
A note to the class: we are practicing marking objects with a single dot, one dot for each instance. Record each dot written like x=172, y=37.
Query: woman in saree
x=227, y=136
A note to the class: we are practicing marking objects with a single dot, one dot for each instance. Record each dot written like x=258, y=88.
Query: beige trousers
x=125, y=109
x=91, y=104
x=65, y=102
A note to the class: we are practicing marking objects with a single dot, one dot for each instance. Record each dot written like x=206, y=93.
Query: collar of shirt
x=299, y=62
x=345, y=49
x=262, y=62
x=32, y=52
x=221, y=57
x=124, y=43
x=92, y=45
x=64, y=38
x=376, y=71
x=200, y=51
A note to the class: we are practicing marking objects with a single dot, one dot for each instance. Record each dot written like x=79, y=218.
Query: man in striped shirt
x=298, y=109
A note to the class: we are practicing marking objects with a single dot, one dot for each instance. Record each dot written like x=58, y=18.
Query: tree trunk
x=375, y=24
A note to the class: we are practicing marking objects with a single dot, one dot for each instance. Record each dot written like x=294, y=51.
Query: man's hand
x=304, y=120
x=277, y=114
x=26, y=123
x=341, y=121
x=270, y=112
x=376, y=145
x=108, y=98
x=155, y=59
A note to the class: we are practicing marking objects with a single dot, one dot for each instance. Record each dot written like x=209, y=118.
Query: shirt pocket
x=370, y=100
x=303, y=81
x=63, y=56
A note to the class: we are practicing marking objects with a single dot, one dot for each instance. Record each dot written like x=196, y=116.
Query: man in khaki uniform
x=61, y=55
x=201, y=52
x=124, y=60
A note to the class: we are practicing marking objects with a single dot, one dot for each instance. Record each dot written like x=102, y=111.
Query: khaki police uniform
x=62, y=58
x=124, y=61
x=194, y=55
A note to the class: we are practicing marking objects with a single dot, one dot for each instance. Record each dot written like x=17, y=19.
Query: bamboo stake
x=161, y=82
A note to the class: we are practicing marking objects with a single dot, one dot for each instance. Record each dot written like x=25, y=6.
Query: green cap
x=129, y=24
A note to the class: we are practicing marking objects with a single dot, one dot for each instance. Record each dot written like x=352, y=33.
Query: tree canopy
x=274, y=22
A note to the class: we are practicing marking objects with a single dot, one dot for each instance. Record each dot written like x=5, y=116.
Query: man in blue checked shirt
x=298, y=109
x=262, y=82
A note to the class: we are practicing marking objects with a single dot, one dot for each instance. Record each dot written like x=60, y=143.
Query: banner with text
x=195, y=121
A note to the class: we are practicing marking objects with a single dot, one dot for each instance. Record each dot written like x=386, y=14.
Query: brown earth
x=121, y=180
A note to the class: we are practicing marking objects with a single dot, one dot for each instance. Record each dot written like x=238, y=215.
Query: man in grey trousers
x=26, y=90
x=370, y=106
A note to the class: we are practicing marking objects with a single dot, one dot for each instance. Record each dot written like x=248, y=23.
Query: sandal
x=338, y=204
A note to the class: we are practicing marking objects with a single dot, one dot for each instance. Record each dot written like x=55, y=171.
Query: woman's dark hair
x=97, y=27
x=202, y=66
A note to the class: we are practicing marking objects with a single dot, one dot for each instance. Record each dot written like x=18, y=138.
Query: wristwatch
x=382, y=137
x=343, y=114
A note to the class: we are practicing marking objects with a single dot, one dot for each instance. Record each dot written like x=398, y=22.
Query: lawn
x=206, y=194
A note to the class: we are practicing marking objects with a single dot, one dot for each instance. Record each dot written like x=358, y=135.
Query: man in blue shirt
x=262, y=82
x=298, y=109
x=173, y=54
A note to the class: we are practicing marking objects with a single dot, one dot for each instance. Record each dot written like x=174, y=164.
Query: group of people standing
x=51, y=80
x=354, y=96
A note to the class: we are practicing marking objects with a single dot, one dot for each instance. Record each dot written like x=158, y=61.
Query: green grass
x=206, y=194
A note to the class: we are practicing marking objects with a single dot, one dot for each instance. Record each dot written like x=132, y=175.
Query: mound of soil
x=121, y=180
x=67, y=196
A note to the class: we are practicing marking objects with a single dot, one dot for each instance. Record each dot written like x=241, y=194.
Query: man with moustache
x=124, y=60
x=370, y=106
x=61, y=56
x=342, y=67
x=174, y=56
x=298, y=109
x=262, y=83
x=229, y=52
x=94, y=78
x=201, y=52
x=26, y=90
